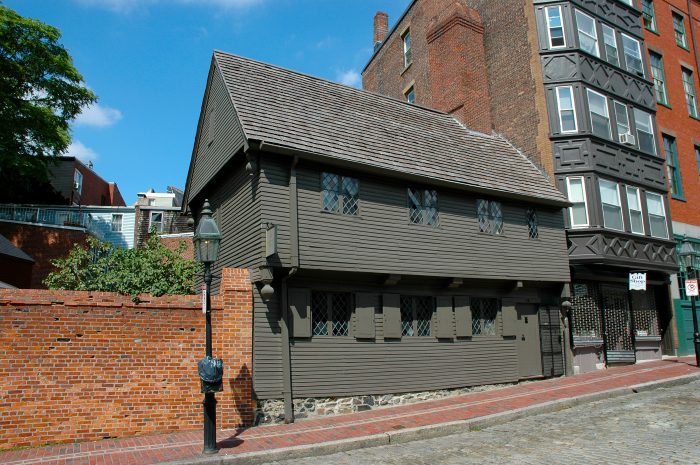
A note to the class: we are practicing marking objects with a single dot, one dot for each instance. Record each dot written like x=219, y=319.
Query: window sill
x=665, y=105
x=653, y=31
x=406, y=68
x=679, y=197
x=344, y=215
x=683, y=47
x=695, y=117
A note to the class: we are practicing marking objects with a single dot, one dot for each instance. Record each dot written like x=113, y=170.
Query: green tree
x=99, y=266
x=40, y=93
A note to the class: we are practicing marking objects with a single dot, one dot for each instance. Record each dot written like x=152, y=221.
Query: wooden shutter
x=300, y=312
x=463, y=316
x=510, y=317
x=391, y=309
x=364, y=316
x=444, y=318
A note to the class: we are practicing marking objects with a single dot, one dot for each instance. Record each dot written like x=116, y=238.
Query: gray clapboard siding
x=274, y=194
x=381, y=239
x=267, y=353
x=330, y=367
x=213, y=151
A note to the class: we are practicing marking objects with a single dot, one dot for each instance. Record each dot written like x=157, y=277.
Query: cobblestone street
x=657, y=427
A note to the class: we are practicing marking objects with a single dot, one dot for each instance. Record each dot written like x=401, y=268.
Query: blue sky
x=147, y=60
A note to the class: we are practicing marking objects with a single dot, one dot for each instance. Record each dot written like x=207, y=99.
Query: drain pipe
x=691, y=20
x=284, y=321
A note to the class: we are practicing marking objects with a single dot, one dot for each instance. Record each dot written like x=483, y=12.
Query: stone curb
x=430, y=431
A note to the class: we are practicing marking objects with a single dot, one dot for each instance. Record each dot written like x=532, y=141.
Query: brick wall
x=43, y=244
x=675, y=121
x=174, y=242
x=78, y=366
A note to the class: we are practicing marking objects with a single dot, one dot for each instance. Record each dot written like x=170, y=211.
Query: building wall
x=95, y=190
x=15, y=271
x=101, y=224
x=43, y=244
x=102, y=366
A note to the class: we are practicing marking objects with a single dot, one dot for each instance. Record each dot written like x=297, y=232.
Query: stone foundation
x=272, y=411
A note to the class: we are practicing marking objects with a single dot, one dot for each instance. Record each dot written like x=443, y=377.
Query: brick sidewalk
x=187, y=446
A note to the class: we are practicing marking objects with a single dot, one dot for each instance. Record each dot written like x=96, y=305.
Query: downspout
x=692, y=34
x=284, y=324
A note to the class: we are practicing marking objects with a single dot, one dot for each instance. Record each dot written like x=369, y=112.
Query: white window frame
x=638, y=195
x=585, y=202
x=606, y=28
x=78, y=180
x=560, y=109
x=617, y=104
x=595, y=31
x=649, y=214
x=407, y=58
x=639, y=55
x=635, y=112
x=590, y=112
x=114, y=223
x=150, y=221
x=602, y=181
x=549, y=26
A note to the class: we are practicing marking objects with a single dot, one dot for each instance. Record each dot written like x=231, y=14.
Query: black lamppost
x=689, y=259
x=206, y=245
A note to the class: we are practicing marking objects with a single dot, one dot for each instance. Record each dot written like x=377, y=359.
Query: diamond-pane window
x=532, y=226
x=484, y=312
x=340, y=194
x=330, y=312
x=490, y=215
x=415, y=207
x=416, y=315
x=423, y=207
x=431, y=208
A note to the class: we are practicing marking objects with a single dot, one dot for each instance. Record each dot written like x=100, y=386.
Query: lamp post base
x=209, y=424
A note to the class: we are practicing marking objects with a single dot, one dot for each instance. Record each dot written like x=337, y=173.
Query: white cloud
x=97, y=115
x=78, y=150
x=349, y=78
x=127, y=6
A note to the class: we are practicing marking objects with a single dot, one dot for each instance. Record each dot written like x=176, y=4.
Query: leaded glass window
x=423, y=206
x=340, y=194
x=484, y=313
x=416, y=315
x=657, y=72
x=532, y=226
x=490, y=216
x=330, y=313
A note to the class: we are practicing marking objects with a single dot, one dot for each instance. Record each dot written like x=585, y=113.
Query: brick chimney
x=381, y=28
x=457, y=66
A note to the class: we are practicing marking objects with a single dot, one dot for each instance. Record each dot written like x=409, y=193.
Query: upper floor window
x=117, y=219
x=697, y=158
x=490, y=215
x=576, y=190
x=679, y=29
x=690, y=96
x=567, y=110
x=423, y=206
x=656, y=62
x=622, y=124
x=633, y=55
x=600, y=118
x=657, y=215
x=157, y=222
x=532, y=223
x=610, y=200
x=645, y=131
x=674, y=172
x=416, y=315
x=587, y=35
x=610, y=43
x=555, y=27
x=406, y=38
x=78, y=181
x=410, y=95
x=634, y=208
x=648, y=16
x=330, y=313
x=340, y=194
x=484, y=313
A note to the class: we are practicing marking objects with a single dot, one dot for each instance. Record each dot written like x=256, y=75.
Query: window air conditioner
x=627, y=139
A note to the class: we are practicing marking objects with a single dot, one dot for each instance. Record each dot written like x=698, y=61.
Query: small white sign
x=204, y=298
x=638, y=281
x=691, y=287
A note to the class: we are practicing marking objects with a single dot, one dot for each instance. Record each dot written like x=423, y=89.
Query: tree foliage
x=40, y=93
x=99, y=266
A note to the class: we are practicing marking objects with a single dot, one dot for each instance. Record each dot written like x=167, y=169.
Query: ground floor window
x=484, y=312
x=416, y=315
x=646, y=319
x=330, y=312
x=585, y=311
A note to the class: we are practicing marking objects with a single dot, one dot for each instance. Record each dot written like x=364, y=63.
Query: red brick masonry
x=78, y=366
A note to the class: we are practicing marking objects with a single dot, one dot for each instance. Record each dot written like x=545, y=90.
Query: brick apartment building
x=671, y=31
x=569, y=84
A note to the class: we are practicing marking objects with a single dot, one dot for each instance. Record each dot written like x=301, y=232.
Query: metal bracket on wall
x=392, y=280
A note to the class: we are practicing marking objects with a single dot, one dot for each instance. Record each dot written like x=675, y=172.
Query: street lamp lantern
x=207, y=237
x=211, y=370
x=689, y=260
